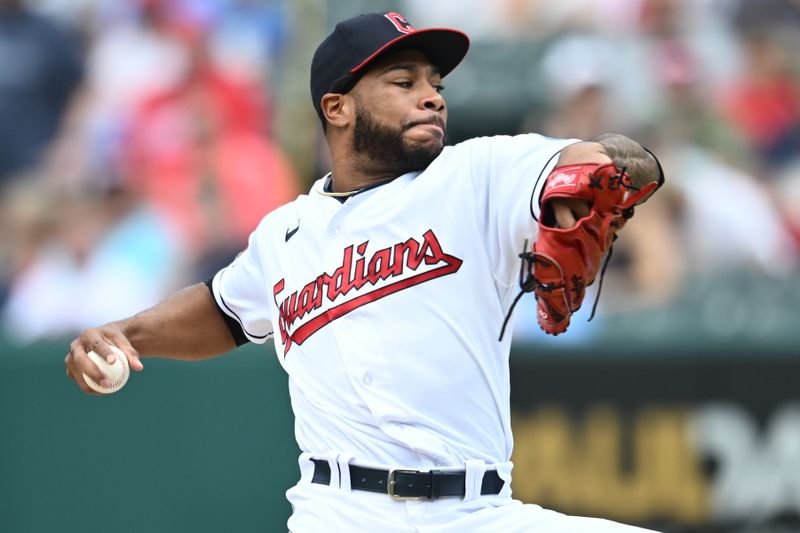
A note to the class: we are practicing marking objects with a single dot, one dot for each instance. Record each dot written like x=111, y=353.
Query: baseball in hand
x=117, y=372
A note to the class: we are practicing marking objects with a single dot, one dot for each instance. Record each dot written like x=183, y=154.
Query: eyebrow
x=411, y=67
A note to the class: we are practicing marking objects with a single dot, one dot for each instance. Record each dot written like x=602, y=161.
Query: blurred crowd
x=712, y=87
x=136, y=151
x=138, y=145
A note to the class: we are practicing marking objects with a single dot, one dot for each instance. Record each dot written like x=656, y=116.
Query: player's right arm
x=187, y=325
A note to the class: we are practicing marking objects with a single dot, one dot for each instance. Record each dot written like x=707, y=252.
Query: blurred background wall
x=142, y=140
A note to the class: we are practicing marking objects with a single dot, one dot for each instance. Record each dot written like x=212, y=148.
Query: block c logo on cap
x=400, y=22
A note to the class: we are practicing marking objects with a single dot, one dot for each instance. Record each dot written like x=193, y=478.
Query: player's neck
x=349, y=176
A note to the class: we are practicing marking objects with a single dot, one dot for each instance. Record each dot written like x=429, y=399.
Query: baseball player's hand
x=585, y=201
x=567, y=211
x=98, y=340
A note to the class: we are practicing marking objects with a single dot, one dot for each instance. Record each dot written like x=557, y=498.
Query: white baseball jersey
x=386, y=308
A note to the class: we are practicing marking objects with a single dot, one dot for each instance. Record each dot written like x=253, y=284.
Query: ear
x=337, y=109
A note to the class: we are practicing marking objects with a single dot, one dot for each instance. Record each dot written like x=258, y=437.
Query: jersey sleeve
x=508, y=174
x=238, y=290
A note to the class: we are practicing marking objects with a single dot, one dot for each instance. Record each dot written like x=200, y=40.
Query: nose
x=433, y=100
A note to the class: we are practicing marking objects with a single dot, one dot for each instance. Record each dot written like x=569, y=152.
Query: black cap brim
x=444, y=47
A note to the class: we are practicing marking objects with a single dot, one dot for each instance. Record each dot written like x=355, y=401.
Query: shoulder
x=501, y=150
x=522, y=139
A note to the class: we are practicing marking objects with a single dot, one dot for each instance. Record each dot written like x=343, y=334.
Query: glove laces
x=527, y=283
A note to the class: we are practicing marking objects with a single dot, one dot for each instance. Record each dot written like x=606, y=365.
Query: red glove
x=565, y=261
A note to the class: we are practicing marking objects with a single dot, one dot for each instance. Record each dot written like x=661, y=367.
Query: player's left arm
x=615, y=148
x=586, y=199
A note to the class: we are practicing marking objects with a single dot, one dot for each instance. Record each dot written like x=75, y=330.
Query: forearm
x=583, y=152
x=624, y=152
x=186, y=325
x=585, y=201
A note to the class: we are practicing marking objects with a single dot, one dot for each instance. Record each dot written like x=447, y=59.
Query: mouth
x=433, y=124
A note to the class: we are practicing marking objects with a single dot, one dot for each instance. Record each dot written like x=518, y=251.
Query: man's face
x=401, y=116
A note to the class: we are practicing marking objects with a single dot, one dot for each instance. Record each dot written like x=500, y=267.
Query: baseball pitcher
x=386, y=288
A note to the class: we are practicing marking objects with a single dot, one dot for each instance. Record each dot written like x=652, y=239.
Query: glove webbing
x=529, y=283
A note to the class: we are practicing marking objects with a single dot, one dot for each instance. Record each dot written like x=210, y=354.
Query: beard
x=385, y=146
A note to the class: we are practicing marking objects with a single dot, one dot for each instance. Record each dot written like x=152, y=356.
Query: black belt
x=408, y=484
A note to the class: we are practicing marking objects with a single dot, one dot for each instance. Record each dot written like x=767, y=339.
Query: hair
x=641, y=165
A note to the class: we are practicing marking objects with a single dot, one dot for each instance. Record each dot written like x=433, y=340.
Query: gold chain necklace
x=340, y=194
x=345, y=194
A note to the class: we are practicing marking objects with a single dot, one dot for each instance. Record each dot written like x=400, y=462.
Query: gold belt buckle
x=391, y=484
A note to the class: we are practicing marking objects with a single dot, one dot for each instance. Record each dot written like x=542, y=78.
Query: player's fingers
x=580, y=208
x=568, y=211
x=564, y=216
x=78, y=363
x=66, y=366
x=80, y=382
x=121, y=341
x=100, y=344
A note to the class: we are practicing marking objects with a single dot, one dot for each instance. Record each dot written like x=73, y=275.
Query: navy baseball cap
x=342, y=58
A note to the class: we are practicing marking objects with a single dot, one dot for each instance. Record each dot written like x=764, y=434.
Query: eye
x=405, y=84
x=439, y=87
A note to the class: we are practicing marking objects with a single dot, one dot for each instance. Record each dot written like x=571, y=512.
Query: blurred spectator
x=764, y=104
x=199, y=151
x=126, y=60
x=776, y=14
x=622, y=66
x=173, y=124
x=685, y=114
x=40, y=66
x=729, y=219
x=477, y=18
x=249, y=37
x=582, y=103
x=787, y=194
x=90, y=256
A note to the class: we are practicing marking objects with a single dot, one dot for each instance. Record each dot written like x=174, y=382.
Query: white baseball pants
x=337, y=508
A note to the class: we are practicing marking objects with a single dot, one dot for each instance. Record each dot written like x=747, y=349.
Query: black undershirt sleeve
x=235, y=328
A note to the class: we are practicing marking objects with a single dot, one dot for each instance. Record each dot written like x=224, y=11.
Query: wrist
x=128, y=328
x=583, y=152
